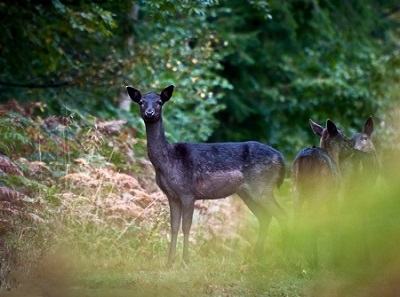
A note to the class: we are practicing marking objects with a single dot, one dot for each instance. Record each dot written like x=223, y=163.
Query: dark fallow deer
x=366, y=159
x=360, y=170
x=360, y=173
x=316, y=178
x=186, y=172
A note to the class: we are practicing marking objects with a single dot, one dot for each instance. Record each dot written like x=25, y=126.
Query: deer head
x=150, y=103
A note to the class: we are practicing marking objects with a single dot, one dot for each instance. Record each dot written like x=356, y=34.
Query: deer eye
x=140, y=102
x=159, y=102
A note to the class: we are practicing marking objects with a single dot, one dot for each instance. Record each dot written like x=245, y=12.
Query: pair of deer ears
x=332, y=129
x=136, y=96
x=318, y=129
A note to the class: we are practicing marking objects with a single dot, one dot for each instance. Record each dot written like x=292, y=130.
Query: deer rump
x=315, y=175
x=217, y=170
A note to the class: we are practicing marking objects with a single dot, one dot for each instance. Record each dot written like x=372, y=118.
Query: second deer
x=364, y=167
x=316, y=177
x=360, y=172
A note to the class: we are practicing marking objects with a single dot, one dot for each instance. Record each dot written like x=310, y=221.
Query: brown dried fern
x=7, y=166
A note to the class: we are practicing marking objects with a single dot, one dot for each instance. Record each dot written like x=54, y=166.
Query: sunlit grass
x=108, y=271
x=357, y=250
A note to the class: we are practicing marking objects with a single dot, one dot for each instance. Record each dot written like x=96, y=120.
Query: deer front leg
x=187, y=217
x=175, y=212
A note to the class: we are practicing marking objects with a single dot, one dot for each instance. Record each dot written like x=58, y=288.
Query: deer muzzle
x=149, y=113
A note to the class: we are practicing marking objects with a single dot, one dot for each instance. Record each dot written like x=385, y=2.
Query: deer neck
x=335, y=159
x=157, y=145
x=333, y=154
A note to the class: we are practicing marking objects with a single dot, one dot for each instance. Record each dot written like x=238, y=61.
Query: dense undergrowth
x=80, y=215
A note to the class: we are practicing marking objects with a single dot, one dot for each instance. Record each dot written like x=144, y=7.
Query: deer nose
x=149, y=112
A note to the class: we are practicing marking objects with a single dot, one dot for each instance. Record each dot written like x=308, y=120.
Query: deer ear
x=369, y=126
x=331, y=127
x=316, y=128
x=166, y=94
x=134, y=94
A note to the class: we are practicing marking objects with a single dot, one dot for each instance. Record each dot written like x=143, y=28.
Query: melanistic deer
x=186, y=172
x=368, y=163
x=360, y=170
x=316, y=177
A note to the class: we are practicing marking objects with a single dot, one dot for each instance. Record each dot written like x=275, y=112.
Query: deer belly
x=220, y=184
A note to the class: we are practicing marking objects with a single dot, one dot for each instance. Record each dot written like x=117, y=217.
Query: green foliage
x=264, y=67
x=312, y=59
x=14, y=141
x=181, y=55
x=82, y=55
x=52, y=44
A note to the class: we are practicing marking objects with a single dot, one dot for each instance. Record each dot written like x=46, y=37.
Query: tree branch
x=37, y=86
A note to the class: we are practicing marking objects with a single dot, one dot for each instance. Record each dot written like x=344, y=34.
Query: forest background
x=242, y=70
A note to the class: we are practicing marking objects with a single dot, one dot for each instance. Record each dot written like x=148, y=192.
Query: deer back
x=315, y=171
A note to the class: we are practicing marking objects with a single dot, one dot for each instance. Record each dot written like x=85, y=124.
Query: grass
x=91, y=261
x=126, y=272
x=90, y=258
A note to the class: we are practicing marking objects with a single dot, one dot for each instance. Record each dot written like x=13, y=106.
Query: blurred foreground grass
x=360, y=258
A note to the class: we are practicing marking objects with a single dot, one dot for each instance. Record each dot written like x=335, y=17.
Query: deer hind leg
x=311, y=225
x=264, y=206
x=277, y=211
x=264, y=219
x=176, y=213
x=312, y=250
